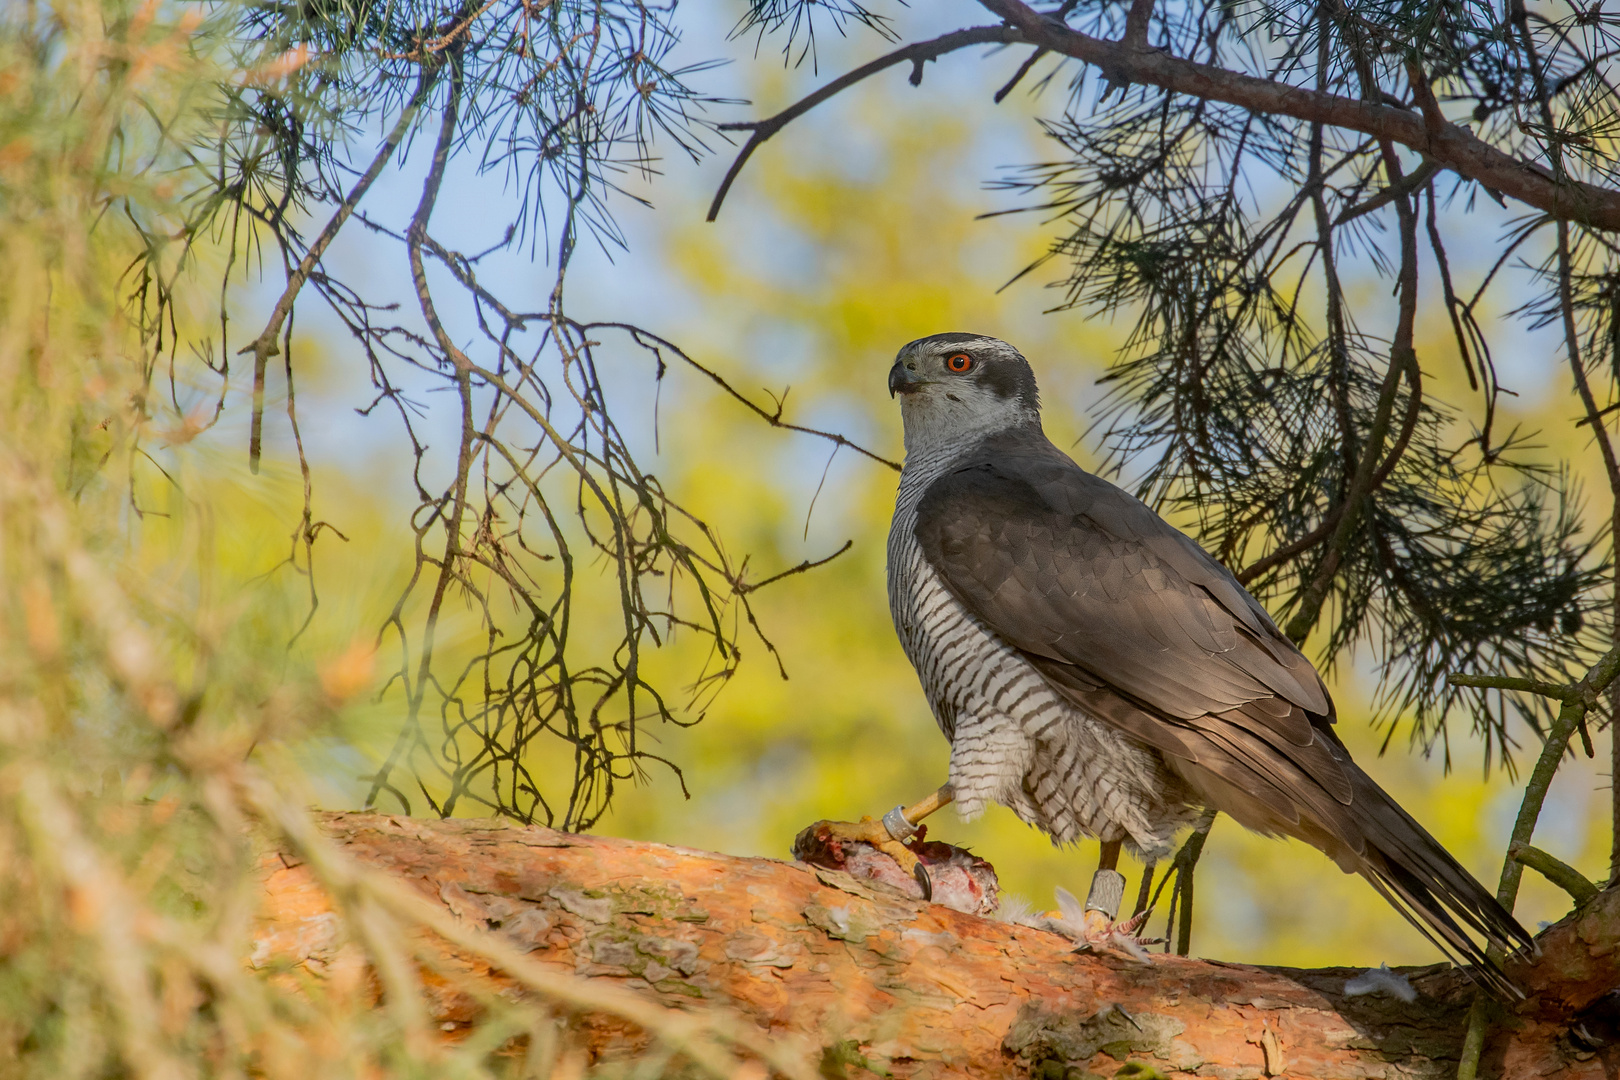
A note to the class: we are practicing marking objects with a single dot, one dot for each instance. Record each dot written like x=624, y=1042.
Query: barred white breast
x=1014, y=739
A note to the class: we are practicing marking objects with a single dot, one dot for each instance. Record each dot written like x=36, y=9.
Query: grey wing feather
x=1066, y=566
x=1139, y=626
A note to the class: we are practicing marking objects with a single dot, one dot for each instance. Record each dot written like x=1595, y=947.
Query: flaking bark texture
x=909, y=989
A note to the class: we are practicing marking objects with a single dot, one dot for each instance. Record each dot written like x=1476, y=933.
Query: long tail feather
x=1422, y=881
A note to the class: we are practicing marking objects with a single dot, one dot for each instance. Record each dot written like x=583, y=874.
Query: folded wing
x=1140, y=627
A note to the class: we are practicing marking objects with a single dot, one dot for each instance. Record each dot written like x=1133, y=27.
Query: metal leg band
x=1107, y=889
x=899, y=828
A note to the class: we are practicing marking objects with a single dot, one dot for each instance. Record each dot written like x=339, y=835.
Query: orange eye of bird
x=960, y=362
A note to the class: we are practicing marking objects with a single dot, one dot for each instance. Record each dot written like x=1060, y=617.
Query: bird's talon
x=865, y=831
x=901, y=854
x=833, y=834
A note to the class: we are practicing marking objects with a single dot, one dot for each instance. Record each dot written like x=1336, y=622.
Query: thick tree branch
x=700, y=1037
x=1451, y=146
x=916, y=54
x=896, y=986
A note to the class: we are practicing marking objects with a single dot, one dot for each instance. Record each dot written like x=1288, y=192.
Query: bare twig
x=264, y=346
x=745, y=587
x=916, y=54
x=1291, y=550
x=447, y=565
x=1410, y=185
x=1018, y=76
x=1456, y=311
x=772, y=417
x=1371, y=464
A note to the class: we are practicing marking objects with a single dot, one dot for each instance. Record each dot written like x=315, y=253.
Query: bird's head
x=955, y=388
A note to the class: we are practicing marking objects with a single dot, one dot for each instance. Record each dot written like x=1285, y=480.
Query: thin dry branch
x=1372, y=466
x=264, y=346
x=447, y=564
x=916, y=54
x=1451, y=146
x=772, y=417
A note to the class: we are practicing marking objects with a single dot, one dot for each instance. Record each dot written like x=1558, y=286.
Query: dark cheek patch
x=1006, y=381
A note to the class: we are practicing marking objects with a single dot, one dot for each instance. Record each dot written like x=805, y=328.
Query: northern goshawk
x=1099, y=673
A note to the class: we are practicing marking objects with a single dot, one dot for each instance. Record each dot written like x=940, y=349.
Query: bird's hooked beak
x=902, y=380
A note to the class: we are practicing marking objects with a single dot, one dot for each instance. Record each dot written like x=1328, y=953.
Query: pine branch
x=1560, y=873
x=1451, y=146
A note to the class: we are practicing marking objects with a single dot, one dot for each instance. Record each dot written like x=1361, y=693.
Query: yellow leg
x=888, y=834
x=939, y=800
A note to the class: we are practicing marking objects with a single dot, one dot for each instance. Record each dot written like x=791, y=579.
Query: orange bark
x=919, y=990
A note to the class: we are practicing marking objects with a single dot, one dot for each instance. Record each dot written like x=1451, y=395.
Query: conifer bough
x=1442, y=143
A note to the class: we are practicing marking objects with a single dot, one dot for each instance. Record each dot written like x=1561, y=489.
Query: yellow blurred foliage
x=158, y=654
x=816, y=273
x=836, y=272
